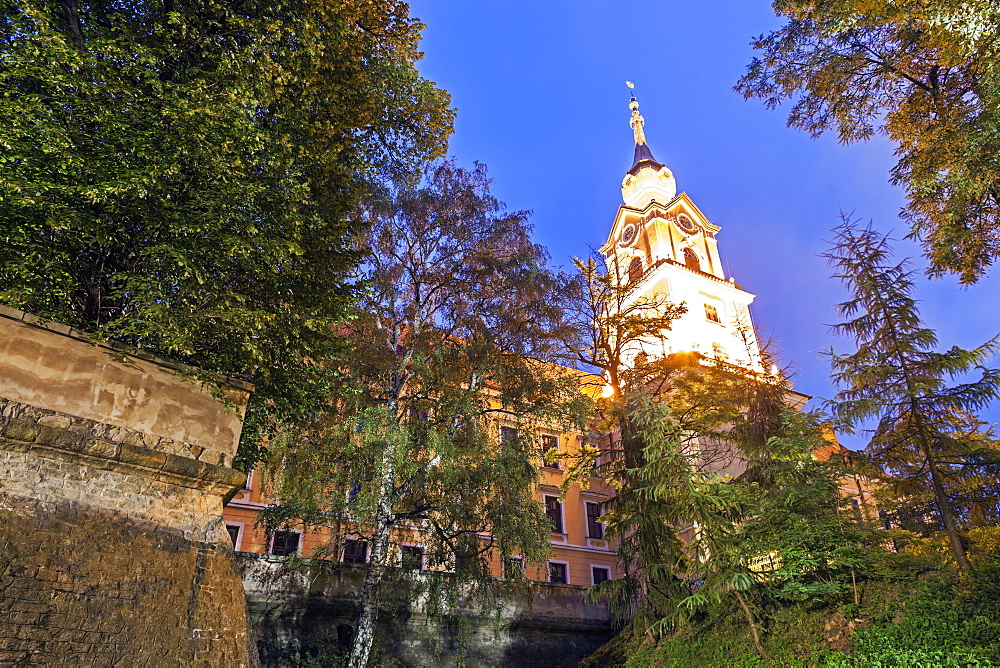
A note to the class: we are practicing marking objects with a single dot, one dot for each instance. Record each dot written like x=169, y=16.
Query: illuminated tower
x=663, y=245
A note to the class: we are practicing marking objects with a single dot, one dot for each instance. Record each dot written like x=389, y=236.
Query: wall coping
x=114, y=346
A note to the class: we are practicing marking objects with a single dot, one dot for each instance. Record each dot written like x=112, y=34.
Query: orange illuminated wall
x=580, y=552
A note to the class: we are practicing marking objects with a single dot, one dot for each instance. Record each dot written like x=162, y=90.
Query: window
x=635, y=270
x=599, y=574
x=711, y=313
x=558, y=573
x=550, y=443
x=249, y=481
x=285, y=543
x=355, y=551
x=353, y=492
x=691, y=259
x=234, y=534
x=594, y=527
x=553, y=508
x=513, y=567
x=411, y=557
x=508, y=435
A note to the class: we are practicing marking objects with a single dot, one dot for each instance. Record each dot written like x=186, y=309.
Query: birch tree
x=430, y=429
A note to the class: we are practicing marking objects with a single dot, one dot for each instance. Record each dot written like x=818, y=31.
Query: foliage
x=678, y=425
x=897, y=378
x=450, y=343
x=926, y=74
x=178, y=176
x=791, y=512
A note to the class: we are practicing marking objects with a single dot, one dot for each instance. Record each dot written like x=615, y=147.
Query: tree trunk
x=377, y=562
x=753, y=626
x=72, y=16
x=944, y=507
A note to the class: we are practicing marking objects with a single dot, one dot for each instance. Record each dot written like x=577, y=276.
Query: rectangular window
x=513, y=567
x=711, y=313
x=285, y=543
x=508, y=435
x=558, y=573
x=355, y=551
x=234, y=534
x=594, y=527
x=553, y=508
x=600, y=574
x=550, y=443
x=411, y=557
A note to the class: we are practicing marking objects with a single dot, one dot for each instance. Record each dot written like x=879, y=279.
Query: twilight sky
x=540, y=90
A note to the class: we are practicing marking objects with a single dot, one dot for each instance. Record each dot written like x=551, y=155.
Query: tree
x=678, y=426
x=178, y=176
x=431, y=424
x=926, y=75
x=897, y=378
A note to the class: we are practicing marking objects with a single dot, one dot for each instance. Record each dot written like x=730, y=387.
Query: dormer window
x=691, y=259
x=634, y=270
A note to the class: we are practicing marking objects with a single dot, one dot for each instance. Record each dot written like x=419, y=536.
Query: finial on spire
x=636, y=121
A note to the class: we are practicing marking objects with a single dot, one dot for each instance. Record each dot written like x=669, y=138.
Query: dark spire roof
x=643, y=156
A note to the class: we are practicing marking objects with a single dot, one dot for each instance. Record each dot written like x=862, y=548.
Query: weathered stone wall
x=310, y=613
x=113, y=470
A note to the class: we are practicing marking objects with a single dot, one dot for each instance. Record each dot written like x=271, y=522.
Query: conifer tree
x=897, y=378
x=676, y=425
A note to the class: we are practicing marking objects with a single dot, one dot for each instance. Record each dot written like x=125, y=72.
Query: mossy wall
x=112, y=546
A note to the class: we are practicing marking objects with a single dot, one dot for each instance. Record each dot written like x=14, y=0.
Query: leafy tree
x=926, y=74
x=450, y=349
x=897, y=378
x=178, y=176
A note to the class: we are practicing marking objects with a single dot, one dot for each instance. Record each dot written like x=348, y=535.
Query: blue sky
x=541, y=98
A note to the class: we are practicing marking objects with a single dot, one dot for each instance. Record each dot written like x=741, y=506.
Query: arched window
x=634, y=270
x=691, y=259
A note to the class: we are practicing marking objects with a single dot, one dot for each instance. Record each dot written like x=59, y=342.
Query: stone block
x=141, y=456
x=19, y=430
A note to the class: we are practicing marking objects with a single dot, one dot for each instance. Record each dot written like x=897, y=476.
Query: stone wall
x=309, y=613
x=113, y=471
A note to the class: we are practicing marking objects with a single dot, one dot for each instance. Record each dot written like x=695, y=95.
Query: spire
x=648, y=180
x=642, y=152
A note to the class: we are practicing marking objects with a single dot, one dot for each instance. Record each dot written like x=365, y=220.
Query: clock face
x=628, y=234
x=686, y=223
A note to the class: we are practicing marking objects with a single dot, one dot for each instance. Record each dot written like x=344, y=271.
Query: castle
x=668, y=248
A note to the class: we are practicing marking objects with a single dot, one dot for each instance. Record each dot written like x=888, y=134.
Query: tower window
x=711, y=313
x=634, y=270
x=691, y=259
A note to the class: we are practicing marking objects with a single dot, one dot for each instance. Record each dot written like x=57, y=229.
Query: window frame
x=506, y=564
x=548, y=570
x=298, y=549
x=600, y=513
x=240, y=526
x=562, y=513
x=556, y=465
x=712, y=313
x=593, y=567
x=354, y=541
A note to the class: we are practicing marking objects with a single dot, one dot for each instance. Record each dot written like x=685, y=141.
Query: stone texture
x=113, y=550
x=47, y=369
x=310, y=615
